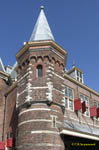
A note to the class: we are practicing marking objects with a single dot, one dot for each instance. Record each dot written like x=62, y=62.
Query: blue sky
x=74, y=23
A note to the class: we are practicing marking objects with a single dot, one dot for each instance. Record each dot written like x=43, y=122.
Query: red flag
x=97, y=112
x=2, y=146
x=83, y=107
x=9, y=142
x=77, y=104
x=93, y=111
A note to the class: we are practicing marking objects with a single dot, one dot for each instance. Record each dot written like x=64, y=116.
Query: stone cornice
x=4, y=76
x=75, y=68
x=66, y=76
x=41, y=43
x=4, y=73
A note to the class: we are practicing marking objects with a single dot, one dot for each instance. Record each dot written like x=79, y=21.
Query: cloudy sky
x=74, y=23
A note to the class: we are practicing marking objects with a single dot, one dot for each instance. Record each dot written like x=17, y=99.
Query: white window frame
x=69, y=99
x=96, y=103
x=78, y=77
x=87, y=104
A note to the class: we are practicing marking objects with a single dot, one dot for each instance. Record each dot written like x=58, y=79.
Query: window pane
x=39, y=69
x=66, y=102
x=86, y=101
x=80, y=75
x=71, y=104
x=70, y=91
x=77, y=78
x=81, y=80
x=69, y=98
x=66, y=91
x=87, y=112
x=77, y=73
x=97, y=104
x=82, y=98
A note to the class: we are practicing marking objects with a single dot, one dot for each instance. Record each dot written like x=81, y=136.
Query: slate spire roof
x=42, y=29
x=2, y=66
x=13, y=73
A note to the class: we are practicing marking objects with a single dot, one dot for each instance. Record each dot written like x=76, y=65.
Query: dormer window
x=39, y=71
x=76, y=73
x=79, y=76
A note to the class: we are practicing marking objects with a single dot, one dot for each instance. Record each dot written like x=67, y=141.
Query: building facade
x=43, y=106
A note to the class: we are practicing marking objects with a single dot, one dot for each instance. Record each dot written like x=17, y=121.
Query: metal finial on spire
x=73, y=64
x=42, y=7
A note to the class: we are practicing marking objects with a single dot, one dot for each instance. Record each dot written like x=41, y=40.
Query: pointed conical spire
x=1, y=66
x=41, y=30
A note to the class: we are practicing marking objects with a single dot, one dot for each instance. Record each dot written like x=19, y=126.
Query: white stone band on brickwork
x=44, y=131
x=23, y=77
x=38, y=109
x=34, y=120
x=40, y=144
x=58, y=75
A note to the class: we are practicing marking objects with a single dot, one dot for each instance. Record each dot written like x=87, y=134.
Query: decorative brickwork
x=37, y=96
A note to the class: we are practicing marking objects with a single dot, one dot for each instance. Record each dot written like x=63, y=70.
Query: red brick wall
x=3, y=88
x=71, y=115
x=11, y=114
x=35, y=129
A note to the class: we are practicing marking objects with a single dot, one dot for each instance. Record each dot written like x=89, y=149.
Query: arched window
x=39, y=71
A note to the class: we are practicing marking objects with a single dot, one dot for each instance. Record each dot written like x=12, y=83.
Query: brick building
x=43, y=106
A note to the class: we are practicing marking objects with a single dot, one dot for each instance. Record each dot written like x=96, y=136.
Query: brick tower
x=40, y=90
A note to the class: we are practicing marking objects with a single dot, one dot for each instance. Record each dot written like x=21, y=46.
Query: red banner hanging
x=97, y=112
x=83, y=107
x=77, y=104
x=93, y=111
x=9, y=142
x=2, y=146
